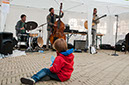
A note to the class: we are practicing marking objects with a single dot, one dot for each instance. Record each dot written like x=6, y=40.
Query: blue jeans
x=44, y=72
x=93, y=37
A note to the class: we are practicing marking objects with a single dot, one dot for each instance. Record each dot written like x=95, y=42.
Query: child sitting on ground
x=61, y=69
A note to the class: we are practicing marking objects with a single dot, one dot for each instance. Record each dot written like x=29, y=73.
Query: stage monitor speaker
x=79, y=44
x=6, y=43
x=120, y=45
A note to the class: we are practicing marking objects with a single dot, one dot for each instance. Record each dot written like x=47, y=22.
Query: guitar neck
x=101, y=17
x=60, y=10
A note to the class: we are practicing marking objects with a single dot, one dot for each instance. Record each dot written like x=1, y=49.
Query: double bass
x=59, y=30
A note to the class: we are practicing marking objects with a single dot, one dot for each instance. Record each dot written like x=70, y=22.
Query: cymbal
x=31, y=25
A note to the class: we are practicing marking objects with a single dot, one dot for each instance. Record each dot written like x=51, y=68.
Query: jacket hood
x=68, y=52
x=68, y=56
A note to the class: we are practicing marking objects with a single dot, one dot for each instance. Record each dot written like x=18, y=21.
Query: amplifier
x=79, y=44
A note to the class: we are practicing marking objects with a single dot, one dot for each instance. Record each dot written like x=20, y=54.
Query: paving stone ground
x=98, y=69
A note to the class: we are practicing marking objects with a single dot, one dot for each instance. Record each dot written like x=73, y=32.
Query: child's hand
x=52, y=60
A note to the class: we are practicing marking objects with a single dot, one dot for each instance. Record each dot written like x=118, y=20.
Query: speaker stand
x=115, y=55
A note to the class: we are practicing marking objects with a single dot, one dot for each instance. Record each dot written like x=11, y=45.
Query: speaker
x=6, y=43
x=120, y=45
x=79, y=44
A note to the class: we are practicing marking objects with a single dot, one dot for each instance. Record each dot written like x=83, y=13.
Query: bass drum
x=37, y=41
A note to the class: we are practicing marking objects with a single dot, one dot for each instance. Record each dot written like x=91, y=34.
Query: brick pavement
x=98, y=69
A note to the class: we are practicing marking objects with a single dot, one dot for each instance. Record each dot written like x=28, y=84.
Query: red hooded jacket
x=63, y=65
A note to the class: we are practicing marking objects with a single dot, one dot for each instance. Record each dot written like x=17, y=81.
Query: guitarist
x=51, y=19
x=94, y=27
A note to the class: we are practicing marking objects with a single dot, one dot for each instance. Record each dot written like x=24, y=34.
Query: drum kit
x=36, y=39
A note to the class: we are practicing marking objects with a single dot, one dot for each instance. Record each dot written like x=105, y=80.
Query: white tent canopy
x=105, y=6
x=76, y=12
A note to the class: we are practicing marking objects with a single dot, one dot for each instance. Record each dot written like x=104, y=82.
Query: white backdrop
x=76, y=21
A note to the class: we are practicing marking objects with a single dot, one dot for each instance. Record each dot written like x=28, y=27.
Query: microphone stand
x=41, y=32
x=116, y=35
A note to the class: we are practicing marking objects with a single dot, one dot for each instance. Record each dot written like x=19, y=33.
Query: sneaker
x=28, y=81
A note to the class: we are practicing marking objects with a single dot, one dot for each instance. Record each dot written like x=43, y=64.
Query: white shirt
x=95, y=26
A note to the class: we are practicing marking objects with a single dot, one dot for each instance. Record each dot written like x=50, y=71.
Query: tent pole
x=3, y=21
x=4, y=11
x=116, y=35
x=90, y=17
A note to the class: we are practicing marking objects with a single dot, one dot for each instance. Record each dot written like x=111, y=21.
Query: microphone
x=116, y=15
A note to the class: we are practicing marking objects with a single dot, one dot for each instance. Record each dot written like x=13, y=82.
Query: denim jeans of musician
x=93, y=37
x=44, y=72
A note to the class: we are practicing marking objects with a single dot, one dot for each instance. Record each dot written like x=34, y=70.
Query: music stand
x=116, y=35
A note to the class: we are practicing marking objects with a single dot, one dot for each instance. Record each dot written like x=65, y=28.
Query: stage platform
x=98, y=69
